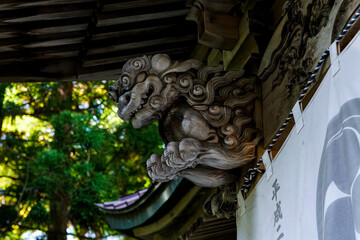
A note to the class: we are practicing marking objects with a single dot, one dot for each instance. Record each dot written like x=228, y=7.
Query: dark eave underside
x=55, y=40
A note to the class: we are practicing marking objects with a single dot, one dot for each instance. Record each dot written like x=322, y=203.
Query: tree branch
x=14, y=152
x=25, y=184
x=31, y=228
x=13, y=178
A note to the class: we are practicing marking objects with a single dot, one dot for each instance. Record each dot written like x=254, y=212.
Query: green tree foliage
x=63, y=149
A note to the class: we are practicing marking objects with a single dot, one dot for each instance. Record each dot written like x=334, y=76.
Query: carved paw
x=189, y=149
x=159, y=171
x=176, y=157
x=181, y=155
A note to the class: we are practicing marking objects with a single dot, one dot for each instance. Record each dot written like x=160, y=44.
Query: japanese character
x=277, y=214
x=276, y=188
x=281, y=236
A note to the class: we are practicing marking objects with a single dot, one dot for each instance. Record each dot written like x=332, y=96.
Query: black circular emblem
x=338, y=187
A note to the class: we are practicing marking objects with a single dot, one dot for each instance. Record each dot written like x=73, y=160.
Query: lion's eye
x=140, y=77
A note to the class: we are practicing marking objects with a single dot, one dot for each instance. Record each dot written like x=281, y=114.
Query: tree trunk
x=65, y=96
x=2, y=95
x=59, y=206
x=58, y=219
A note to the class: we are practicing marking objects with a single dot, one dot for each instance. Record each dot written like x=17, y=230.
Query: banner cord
x=252, y=172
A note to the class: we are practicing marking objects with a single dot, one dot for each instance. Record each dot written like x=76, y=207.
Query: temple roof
x=56, y=40
x=122, y=202
x=172, y=210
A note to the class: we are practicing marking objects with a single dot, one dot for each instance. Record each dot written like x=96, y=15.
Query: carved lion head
x=147, y=86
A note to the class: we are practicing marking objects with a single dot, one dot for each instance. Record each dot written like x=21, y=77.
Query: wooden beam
x=9, y=48
x=136, y=32
x=39, y=56
x=16, y=5
x=112, y=74
x=57, y=29
x=98, y=76
x=241, y=54
x=26, y=40
x=204, y=228
x=118, y=65
x=136, y=4
x=10, y=34
x=39, y=36
x=55, y=43
x=9, y=79
x=218, y=235
x=48, y=17
x=140, y=44
x=52, y=55
x=141, y=17
x=201, y=52
x=112, y=60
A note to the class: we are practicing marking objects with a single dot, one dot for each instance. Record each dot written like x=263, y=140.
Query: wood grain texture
x=63, y=40
x=296, y=46
x=141, y=17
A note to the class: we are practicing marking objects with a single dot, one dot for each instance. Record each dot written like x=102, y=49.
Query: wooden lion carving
x=204, y=115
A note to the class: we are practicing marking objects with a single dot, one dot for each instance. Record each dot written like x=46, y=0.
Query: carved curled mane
x=224, y=99
x=130, y=71
x=205, y=138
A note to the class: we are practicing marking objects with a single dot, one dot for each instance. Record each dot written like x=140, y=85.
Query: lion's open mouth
x=143, y=102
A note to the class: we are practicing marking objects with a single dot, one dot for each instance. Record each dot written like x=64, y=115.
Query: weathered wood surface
x=46, y=17
x=205, y=122
x=216, y=27
x=165, y=29
x=116, y=60
x=142, y=17
x=137, y=4
x=139, y=44
x=254, y=29
x=11, y=5
x=87, y=36
x=212, y=228
x=302, y=35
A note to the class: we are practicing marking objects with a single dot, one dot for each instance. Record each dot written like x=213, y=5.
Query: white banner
x=314, y=192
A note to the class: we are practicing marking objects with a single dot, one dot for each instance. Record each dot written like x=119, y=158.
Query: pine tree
x=63, y=149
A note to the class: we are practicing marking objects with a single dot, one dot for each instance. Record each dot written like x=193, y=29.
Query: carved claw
x=159, y=171
x=181, y=155
x=192, y=159
x=189, y=149
x=176, y=157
